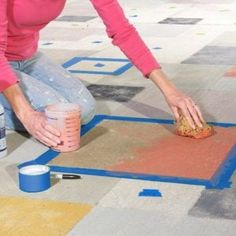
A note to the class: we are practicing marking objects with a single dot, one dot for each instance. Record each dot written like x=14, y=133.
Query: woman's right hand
x=36, y=124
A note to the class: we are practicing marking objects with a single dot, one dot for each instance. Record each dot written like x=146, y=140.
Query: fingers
x=45, y=140
x=48, y=135
x=179, y=103
x=199, y=113
x=37, y=125
x=187, y=115
x=48, y=138
x=176, y=112
x=52, y=130
x=192, y=113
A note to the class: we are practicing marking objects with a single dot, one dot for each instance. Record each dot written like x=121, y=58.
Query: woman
x=29, y=81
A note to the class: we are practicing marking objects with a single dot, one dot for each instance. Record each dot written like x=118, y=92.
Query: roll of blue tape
x=34, y=178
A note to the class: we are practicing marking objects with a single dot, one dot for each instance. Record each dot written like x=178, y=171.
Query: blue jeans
x=44, y=83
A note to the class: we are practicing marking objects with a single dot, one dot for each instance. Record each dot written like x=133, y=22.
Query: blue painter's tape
x=222, y=177
x=72, y=62
x=95, y=121
x=51, y=154
x=220, y=180
x=42, y=159
x=137, y=119
x=126, y=175
x=122, y=69
x=90, y=72
x=34, y=178
x=99, y=65
x=118, y=71
x=77, y=59
x=150, y=193
x=224, y=125
x=157, y=121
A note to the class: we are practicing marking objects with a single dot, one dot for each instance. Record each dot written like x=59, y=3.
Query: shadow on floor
x=16, y=139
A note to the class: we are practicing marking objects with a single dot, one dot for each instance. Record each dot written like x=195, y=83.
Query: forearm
x=34, y=122
x=125, y=36
x=18, y=102
x=161, y=81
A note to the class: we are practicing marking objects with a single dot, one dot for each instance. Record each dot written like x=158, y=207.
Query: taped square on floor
x=89, y=65
x=143, y=148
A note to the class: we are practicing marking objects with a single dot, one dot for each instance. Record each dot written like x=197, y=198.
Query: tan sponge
x=184, y=129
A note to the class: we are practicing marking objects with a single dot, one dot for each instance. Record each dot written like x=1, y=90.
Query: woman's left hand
x=177, y=101
x=180, y=103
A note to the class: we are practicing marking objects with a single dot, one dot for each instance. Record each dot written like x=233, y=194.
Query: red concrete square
x=182, y=157
x=149, y=149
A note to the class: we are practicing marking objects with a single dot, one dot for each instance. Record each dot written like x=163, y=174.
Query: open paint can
x=34, y=178
x=66, y=118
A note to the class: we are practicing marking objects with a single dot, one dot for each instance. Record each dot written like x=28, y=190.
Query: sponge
x=184, y=129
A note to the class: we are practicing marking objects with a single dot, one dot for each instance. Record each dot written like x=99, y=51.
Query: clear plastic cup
x=66, y=118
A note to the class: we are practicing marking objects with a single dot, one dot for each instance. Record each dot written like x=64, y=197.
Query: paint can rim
x=34, y=178
x=33, y=170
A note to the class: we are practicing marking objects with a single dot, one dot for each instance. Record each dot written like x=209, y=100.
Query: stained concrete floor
x=195, y=43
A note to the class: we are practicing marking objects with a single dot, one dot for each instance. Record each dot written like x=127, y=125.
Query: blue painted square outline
x=118, y=71
x=220, y=180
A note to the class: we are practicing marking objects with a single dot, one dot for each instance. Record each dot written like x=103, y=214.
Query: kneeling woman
x=29, y=81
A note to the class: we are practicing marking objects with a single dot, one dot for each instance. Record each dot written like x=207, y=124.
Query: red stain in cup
x=66, y=118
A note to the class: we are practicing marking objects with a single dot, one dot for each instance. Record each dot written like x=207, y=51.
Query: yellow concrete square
x=24, y=216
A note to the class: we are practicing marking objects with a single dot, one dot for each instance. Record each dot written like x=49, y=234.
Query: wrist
x=18, y=102
x=24, y=113
x=159, y=78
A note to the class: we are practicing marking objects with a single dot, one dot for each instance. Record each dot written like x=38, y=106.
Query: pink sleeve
x=7, y=75
x=125, y=36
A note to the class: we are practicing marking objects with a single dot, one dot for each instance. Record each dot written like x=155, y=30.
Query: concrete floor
x=195, y=42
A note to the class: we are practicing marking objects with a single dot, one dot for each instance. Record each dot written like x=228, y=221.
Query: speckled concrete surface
x=196, y=54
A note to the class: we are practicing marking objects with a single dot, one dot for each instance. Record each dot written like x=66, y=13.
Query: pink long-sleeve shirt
x=21, y=21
